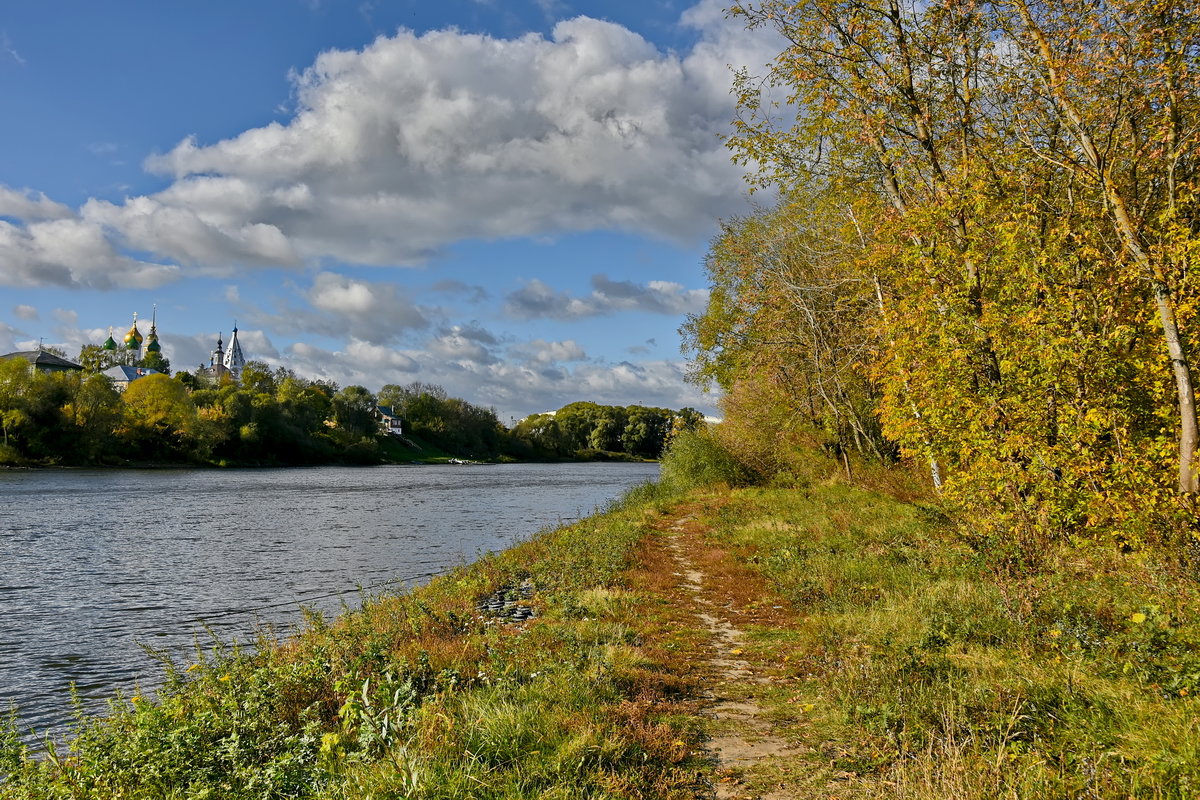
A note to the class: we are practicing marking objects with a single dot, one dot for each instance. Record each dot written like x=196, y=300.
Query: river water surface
x=97, y=564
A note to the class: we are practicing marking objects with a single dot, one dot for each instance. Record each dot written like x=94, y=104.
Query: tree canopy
x=639, y=431
x=984, y=256
x=272, y=416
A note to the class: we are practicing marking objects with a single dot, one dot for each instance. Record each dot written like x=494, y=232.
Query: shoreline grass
x=917, y=665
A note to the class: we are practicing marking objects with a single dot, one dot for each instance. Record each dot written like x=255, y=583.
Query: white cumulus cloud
x=417, y=141
x=541, y=351
x=30, y=205
x=420, y=140
x=73, y=253
x=342, y=307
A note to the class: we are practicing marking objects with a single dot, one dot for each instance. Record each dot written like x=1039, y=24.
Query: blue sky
x=510, y=199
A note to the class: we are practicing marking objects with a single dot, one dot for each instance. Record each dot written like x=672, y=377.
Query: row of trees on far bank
x=640, y=431
x=985, y=257
x=273, y=416
x=577, y=430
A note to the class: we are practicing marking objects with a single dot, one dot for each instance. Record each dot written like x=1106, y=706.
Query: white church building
x=225, y=360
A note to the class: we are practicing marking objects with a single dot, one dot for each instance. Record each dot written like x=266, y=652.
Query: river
x=99, y=564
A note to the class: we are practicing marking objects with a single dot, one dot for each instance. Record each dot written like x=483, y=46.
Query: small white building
x=388, y=421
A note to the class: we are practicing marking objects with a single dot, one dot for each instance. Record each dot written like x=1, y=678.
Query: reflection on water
x=98, y=563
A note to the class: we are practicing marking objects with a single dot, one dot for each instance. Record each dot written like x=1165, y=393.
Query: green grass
x=394, y=451
x=929, y=669
x=907, y=658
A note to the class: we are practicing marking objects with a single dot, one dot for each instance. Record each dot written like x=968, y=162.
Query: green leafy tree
x=576, y=421
x=32, y=422
x=420, y=405
x=687, y=419
x=15, y=381
x=608, y=425
x=156, y=361
x=354, y=411
x=543, y=434
x=307, y=403
x=95, y=411
x=258, y=378
x=646, y=431
x=94, y=358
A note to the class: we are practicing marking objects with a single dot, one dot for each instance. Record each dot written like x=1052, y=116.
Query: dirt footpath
x=719, y=598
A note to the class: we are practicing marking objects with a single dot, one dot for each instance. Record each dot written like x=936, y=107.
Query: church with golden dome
x=126, y=360
x=131, y=351
x=134, y=355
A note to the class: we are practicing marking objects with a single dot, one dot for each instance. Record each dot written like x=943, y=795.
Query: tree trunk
x=1189, y=435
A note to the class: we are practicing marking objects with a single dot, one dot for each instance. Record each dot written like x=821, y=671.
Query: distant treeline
x=638, y=430
x=577, y=431
x=270, y=417
x=274, y=417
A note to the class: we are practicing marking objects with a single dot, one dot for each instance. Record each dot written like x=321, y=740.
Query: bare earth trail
x=752, y=759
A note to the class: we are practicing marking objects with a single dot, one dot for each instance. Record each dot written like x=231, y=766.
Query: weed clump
x=694, y=459
x=698, y=458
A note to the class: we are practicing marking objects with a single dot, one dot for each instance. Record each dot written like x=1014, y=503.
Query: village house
x=43, y=361
x=122, y=375
x=388, y=421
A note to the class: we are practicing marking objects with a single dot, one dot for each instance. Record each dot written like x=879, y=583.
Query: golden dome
x=133, y=339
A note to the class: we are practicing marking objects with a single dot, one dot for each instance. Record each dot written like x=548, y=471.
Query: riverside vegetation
x=896, y=652
x=984, y=254
x=275, y=417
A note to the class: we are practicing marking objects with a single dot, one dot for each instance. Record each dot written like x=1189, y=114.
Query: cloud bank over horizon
x=539, y=300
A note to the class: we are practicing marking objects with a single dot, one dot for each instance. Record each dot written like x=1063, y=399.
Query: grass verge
x=916, y=663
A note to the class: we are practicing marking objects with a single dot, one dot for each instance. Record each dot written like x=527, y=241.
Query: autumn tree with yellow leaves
x=999, y=228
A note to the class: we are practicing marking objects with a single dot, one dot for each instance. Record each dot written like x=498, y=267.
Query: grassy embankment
x=420, y=694
x=410, y=450
x=904, y=659
x=909, y=663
